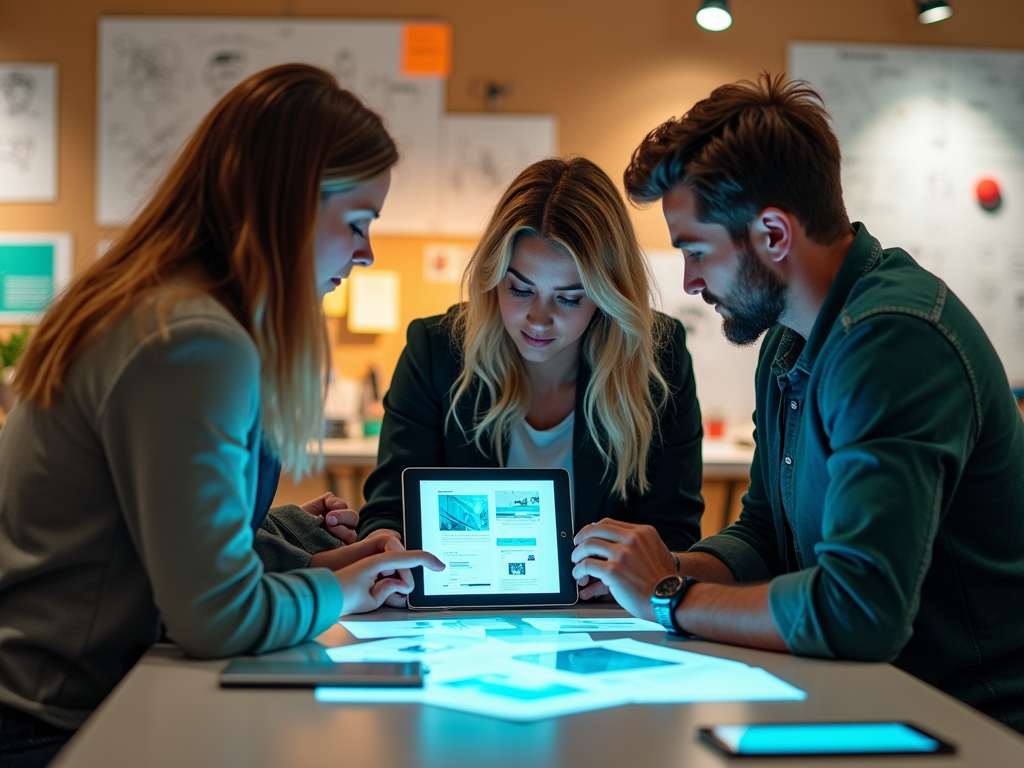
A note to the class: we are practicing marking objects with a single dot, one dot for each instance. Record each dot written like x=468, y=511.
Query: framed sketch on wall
x=28, y=133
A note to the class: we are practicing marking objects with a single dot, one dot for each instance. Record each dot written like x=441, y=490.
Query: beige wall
x=608, y=69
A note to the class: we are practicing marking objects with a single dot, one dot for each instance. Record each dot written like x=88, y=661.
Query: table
x=169, y=711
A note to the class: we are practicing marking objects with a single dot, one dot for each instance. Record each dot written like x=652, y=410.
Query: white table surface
x=169, y=711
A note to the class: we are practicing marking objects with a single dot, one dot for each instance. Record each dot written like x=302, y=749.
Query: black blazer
x=414, y=434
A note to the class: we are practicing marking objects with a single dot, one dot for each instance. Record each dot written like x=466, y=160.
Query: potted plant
x=10, y=351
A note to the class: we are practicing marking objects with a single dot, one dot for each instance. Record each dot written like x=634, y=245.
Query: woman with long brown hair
x=554, y=359
x=156, y=391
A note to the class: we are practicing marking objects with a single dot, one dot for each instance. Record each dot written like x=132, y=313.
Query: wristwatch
x=667, y=595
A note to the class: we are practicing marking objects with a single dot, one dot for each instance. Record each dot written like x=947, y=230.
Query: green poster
x=26, y=276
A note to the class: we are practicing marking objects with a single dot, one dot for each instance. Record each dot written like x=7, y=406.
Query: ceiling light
x=714, y=15
x=930, y=11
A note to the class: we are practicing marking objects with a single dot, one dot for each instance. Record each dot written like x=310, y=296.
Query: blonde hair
x=234, y=217
x=573, y=204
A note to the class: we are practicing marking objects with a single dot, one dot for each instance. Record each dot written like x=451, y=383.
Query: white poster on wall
x=482, y=155
x=28, y=133
x=933, y=162
x=159, y=77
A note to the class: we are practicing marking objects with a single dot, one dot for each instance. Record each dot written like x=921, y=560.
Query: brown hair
x=746, y=147
x=573, y=204
x=234, y=218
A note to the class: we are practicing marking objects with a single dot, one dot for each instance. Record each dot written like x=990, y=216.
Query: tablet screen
x=504, y=535
x=494, y=537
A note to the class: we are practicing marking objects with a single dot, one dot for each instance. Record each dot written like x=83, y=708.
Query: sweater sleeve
x=179, y=426
x=289, y=536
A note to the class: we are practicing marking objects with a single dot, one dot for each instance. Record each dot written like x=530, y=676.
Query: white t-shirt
x=543, y=448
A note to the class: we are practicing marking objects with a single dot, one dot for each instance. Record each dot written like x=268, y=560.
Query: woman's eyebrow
x=574, y=287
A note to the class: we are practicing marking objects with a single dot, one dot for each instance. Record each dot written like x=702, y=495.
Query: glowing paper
x=525, y=681
x=461, y=627
x=571, y=624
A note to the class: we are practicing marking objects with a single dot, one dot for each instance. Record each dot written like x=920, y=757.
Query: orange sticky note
x=426, y=50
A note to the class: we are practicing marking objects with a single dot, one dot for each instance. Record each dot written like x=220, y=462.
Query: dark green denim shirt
x=886, y=500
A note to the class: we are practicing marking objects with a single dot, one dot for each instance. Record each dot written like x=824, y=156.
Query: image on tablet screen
x=495, y=536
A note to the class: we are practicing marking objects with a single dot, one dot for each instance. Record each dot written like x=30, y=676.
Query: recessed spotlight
x=714, y=15
x=930, y=11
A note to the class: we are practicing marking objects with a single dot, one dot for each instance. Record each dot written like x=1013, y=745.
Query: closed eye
x=574, y=303
x=518, y=293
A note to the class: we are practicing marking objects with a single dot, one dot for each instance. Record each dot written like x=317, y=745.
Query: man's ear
x=771, y=234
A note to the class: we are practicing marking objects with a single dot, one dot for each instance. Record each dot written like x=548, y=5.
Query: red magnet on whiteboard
x=989, y=196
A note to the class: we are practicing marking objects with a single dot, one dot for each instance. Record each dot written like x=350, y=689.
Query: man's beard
x=755, y=305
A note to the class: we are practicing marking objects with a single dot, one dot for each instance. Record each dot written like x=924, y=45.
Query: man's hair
x=746, y=147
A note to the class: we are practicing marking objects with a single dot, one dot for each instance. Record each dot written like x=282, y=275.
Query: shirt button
x=789, y=460
x=792, y=404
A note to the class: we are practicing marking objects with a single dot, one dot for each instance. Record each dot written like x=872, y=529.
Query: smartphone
x=310, y=674
x=795, y=739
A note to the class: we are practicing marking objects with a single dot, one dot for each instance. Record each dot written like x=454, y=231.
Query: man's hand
x=628, y=559
x=367, y=583
x=339, y=520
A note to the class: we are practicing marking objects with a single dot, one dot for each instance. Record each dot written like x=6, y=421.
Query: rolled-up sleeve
x=895, y=461
x=178, y=430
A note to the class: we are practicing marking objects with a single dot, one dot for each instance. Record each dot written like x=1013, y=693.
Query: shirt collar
x=863, y=255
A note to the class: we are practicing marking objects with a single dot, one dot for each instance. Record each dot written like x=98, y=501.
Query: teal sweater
x=128, y=505
x=887, y=489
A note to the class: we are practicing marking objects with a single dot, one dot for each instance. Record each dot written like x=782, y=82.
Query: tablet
x=817, y=739
x=311, y=674
x=505, y=536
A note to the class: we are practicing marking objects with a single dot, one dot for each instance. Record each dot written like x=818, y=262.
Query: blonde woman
x=157, y=388
x=555, y=359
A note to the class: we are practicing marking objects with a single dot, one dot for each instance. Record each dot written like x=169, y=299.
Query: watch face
x=668, y=586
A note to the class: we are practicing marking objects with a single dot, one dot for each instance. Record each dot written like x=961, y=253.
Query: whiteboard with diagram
x=158, y=77
x=933, y=162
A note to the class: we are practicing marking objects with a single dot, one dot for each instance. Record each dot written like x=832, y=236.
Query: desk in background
x=726, y=475
x=169, y=711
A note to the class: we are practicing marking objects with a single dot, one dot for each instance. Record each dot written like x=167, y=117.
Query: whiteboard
x=482, y=155
x=159, y=77
x=28, y=133
x=919, y=127
x=724, y=372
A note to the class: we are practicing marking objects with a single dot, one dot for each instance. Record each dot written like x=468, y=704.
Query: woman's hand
x=367, y=583
x=339, y=520
x=342, y=557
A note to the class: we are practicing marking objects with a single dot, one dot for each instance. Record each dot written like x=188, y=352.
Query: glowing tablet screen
x=496, y=537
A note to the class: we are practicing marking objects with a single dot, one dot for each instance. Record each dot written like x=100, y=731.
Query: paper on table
x=435, y=648
x=365, y=630
x=530, y=681
x=571, y=624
